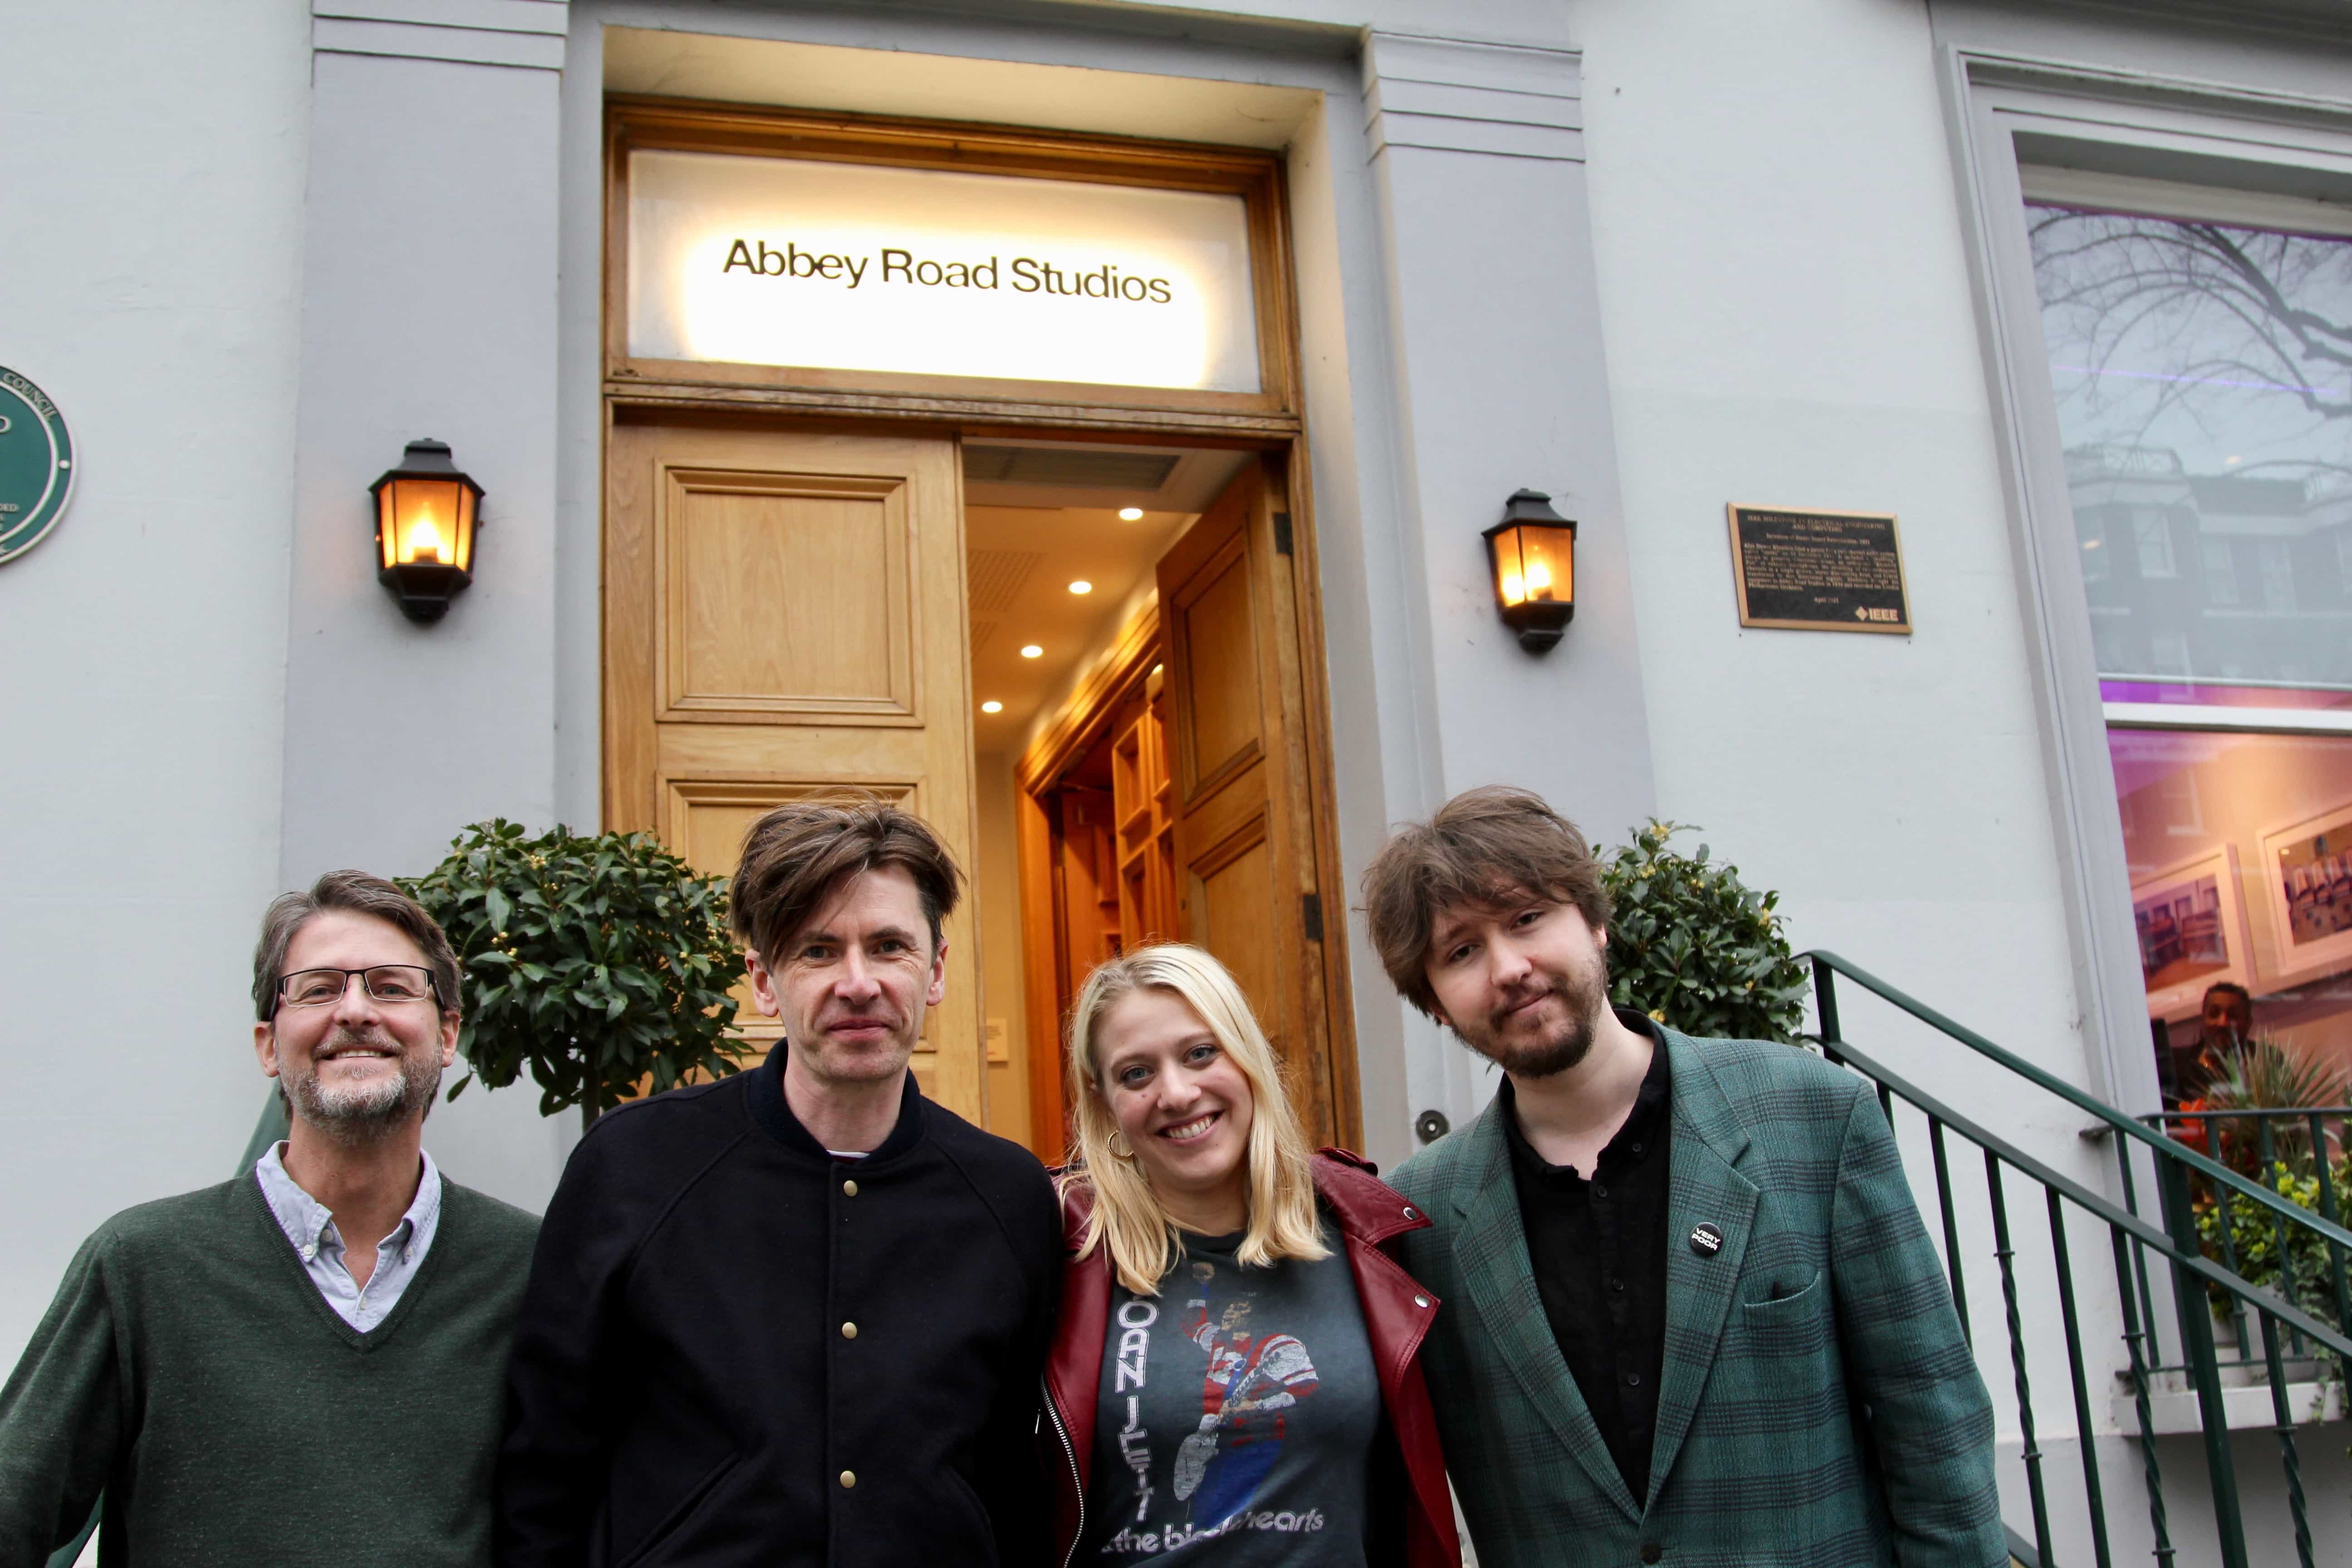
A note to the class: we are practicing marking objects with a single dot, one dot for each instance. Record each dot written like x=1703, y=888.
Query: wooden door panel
x=1220, y=638
x=784, y=615
x=786, y=597
x=1243, y=830
x=1231, y=895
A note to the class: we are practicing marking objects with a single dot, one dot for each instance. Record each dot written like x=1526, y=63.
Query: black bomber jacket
x=736, y=1349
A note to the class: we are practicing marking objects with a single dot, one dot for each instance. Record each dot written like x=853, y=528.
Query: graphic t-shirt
x=1236, y=1416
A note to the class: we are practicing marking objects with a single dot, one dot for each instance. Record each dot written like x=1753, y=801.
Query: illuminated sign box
x=841, y=266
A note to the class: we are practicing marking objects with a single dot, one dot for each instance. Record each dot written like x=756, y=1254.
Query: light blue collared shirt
x=311, y=1228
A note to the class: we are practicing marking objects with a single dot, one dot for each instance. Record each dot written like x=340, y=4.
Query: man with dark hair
x=304, y=1364
x=2225, y=1022
x=1689, y=1308
x=797, y=1316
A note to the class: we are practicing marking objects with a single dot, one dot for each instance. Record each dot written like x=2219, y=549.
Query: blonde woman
x=1234, y=1381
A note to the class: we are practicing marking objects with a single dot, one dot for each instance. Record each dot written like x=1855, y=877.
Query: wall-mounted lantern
x=1533, y=550
x=426, y=513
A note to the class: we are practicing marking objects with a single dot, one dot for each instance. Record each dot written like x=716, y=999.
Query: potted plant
x=1696, y=948
x=602, y=965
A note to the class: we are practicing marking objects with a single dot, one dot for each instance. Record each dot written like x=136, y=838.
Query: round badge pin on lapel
x=1706, y=1239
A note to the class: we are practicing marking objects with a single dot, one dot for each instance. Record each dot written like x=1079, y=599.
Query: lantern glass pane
x=1547, y=563
x=1510, y=575
x=425, y=520
x=387, y=529
x=465, y=541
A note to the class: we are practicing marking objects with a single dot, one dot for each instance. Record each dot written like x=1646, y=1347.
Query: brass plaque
x=1818, y=571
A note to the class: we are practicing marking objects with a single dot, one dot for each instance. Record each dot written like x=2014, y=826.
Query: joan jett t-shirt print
x=1237, y=1413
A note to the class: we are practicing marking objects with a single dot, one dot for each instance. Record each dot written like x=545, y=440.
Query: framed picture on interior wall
x=2192, y=933
x=2308, y=868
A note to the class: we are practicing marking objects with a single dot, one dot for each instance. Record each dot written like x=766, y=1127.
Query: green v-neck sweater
x=190, y=1370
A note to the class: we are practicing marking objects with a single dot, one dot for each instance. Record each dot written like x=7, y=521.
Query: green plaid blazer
x=1837, y=1420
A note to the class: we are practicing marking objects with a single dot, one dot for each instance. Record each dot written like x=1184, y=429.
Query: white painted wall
x=429, y=310
x=151, y=192
x=1790, y=320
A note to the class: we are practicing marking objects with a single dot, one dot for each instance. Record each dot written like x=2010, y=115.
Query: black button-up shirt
x=1599, y=1248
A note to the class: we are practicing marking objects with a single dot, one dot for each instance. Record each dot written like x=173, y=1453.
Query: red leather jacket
x=1397, y=1314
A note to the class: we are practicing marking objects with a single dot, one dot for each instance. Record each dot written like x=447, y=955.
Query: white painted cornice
x=1456, y=95
x=525, y=34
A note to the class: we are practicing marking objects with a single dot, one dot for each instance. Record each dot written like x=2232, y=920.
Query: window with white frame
x=2199, y=347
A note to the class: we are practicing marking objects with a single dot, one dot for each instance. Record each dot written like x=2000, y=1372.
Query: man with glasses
x=304, y=1364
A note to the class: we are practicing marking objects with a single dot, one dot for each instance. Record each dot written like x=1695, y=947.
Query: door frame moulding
x=633, y=122
x=1271, y=422
x=2197, y=132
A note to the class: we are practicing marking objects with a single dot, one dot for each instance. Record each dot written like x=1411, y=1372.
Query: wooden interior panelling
x=1041, y=977
x=1142, y=798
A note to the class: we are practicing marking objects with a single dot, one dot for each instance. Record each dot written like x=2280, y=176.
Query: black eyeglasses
x=384, y=983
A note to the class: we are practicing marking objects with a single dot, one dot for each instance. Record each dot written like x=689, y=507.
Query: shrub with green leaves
x=2301, y=1271
x=1695, y=947
x=594, y=963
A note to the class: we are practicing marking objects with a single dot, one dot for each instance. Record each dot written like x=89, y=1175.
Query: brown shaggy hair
x=354, y=892
x=797, y=856
x=1485, y=847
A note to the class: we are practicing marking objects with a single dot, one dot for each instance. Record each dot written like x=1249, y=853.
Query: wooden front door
x=784, y=615
x=1243, y=813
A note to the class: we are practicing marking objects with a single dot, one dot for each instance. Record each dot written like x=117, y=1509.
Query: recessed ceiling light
x=1031, y=651
x=1082, y=586
x=1130, y=514
x=991, y=706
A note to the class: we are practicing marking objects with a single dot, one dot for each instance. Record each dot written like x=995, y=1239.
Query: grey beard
x=366, y=1112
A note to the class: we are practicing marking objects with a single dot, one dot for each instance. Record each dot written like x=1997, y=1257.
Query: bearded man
x=1690, y=1312
x=305, y=1365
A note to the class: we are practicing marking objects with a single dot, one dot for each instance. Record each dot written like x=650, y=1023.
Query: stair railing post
x=2204, y=1364
x=1825, y=1007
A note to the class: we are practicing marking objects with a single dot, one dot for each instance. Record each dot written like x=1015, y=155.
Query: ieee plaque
x=1818, y=571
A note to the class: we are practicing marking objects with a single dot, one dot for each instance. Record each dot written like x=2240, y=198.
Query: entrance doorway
x=791, y=611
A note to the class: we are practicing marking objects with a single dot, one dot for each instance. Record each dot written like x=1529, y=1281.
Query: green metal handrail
x=2194, y=1277
x=2130, y=1127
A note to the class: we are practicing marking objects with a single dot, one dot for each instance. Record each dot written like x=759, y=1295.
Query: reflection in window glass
x=2241, y=854
x=2204, y=374
x=2221, y=564
x=2153, y=529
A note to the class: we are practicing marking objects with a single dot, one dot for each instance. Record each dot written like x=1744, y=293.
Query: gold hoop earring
x=1118, y=1145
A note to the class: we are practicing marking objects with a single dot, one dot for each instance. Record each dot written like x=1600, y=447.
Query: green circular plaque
x=35, y=464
